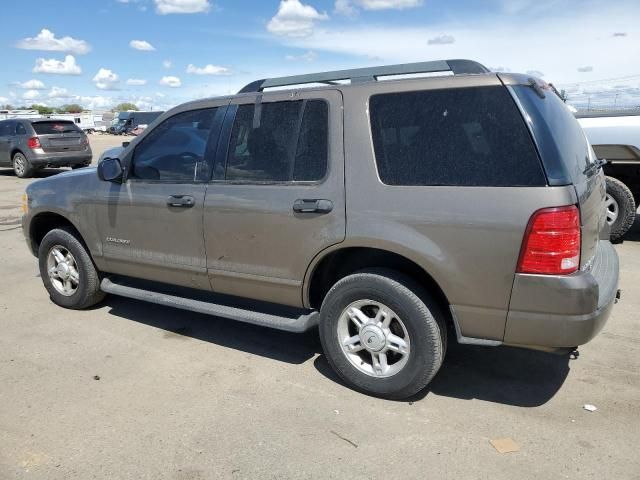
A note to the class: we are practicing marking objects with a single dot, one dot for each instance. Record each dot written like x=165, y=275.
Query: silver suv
x=386, y=212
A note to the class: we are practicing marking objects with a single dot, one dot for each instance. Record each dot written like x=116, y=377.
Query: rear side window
x=279, y=142
x=5, y=129
x=55, y=127
x=466, y=137
x=20, y=130
x=175, y=151
x=562, y=142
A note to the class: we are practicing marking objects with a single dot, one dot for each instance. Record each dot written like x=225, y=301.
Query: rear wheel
x=382, y=333
x=621, y=208
x=67, y=271
x=22, y=166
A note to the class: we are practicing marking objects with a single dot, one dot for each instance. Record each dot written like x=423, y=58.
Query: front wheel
x=382, y=333
x=67, y=271
x=621, y=208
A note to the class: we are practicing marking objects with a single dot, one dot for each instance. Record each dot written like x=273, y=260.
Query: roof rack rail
x=369, y=74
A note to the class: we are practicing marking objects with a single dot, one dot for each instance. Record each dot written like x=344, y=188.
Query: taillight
x=34, y=142
x=551, y=244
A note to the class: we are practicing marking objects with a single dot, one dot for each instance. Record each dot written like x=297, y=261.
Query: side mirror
x=110, y=170
x=125, y=144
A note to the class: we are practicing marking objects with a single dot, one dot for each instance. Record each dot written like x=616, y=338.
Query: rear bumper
x=61, y=159
x=563, y=311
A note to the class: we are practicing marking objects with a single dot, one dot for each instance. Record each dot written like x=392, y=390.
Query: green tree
x=42, y=110
x=71, y=108
x=123, y=107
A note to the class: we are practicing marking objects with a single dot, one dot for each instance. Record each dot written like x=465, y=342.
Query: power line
x=604, y=80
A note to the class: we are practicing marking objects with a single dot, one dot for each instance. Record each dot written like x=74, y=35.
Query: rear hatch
x=59, y=136
x=565, y=152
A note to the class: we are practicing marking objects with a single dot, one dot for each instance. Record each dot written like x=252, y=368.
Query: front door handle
x=182, y=201
x=305, y=205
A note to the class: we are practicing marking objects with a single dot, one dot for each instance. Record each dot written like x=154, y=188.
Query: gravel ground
x=133, y=390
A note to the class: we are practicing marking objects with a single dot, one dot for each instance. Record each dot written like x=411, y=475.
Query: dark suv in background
x=27, y=145
x=385, y=212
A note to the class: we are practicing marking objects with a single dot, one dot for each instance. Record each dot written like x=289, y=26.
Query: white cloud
x=585, y=69
x=308, y=56
x=535, y=73
x=167, y=64
x=4, y=99
x=31, y=94
x=32, y=85
x=165, y=7
x=442, y=40
x=68, y=66
x=46, y=40
x=96, y=102
x=294, y=19
x=105, y=79
x=348, y=7
x=141, y=45
x=136, y=82
x=208, y=70
x=57, y=92
x=483, y=40
x=345, y=7
x=170, y=81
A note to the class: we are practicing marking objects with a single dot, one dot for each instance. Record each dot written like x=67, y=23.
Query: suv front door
x=7, y=131
x=151, y=224
x=277, y=197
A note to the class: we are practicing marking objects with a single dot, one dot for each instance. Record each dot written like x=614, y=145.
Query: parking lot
x=134, y=390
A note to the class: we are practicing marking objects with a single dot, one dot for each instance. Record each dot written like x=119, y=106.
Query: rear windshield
x=465, y=136
x=560, y=138
x=53, y=127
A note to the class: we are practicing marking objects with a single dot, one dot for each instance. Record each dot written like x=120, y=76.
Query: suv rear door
x=277, y=198
x=59, y=136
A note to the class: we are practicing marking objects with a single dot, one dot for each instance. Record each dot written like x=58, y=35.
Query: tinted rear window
x=561, y=140
x=54, y=127
x=468, y=137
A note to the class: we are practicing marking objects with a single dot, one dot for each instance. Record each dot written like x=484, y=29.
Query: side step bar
x=297, y=325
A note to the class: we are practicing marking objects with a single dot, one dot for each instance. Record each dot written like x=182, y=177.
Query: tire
x=417, y=319
x=75, y=167
x=22, y=166
x=621, y=208
x=87, y=287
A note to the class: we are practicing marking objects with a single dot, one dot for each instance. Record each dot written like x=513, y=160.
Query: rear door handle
x=305, y=205
x=182, y=201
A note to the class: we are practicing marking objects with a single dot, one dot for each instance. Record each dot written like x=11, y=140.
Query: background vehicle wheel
x=382, y=333
x=621, y=208
x=67, y=271
x=22, y=167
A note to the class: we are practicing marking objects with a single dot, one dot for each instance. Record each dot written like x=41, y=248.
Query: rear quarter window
x=55, y=127
x=466, y=137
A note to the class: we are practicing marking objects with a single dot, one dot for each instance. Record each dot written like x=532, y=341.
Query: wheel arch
x=341, y=261
x=43, y=222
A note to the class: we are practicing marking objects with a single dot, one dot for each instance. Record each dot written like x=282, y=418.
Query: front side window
x=279, y=142
x=5, y=129
x=175, y=151
x=464, y=136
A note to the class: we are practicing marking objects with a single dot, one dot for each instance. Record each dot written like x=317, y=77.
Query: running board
x=298, y=324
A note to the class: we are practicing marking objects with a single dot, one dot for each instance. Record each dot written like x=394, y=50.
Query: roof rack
x=369, y=74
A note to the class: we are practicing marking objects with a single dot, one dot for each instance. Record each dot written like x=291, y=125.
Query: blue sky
x=158, y=53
